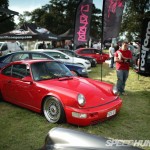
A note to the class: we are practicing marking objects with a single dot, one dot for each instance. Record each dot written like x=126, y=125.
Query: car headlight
x=115, y=90
x=81, y=100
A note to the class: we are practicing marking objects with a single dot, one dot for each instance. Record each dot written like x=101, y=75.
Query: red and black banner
x=82, y=22
x=144, y=66
x=112, y=17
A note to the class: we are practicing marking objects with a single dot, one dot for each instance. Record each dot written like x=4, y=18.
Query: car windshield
x=71, y=53
x=49, y=70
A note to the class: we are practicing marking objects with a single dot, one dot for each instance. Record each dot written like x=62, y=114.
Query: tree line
x=59, y=15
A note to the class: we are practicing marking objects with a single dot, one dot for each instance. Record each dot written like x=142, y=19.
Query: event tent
x=29, y=31
x=68, y=35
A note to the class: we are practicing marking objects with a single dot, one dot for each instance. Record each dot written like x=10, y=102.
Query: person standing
x=122, y=58
x=111, y=55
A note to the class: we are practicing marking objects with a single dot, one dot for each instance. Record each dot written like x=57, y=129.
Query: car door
x=14, y=89
x=96, y=55
x=89, y=53
x=6, y=89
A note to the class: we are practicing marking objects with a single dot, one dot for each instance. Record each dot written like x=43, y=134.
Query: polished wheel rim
x=52, y=110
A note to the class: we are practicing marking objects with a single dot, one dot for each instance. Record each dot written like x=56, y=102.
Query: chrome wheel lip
x=52, y=110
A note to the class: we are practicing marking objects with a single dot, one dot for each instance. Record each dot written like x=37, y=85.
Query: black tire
x=1, y=97
x=53, y=110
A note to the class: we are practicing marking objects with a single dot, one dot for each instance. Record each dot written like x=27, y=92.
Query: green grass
x=21, y=129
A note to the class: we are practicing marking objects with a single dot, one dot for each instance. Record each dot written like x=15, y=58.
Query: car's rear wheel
x=1, y=97
x=53, y=110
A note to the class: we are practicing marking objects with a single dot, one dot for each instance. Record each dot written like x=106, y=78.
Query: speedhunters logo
x=145, y=48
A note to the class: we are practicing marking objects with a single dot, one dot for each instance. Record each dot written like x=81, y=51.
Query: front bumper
x=93, y=115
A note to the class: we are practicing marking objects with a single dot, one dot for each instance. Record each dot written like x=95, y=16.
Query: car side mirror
x=27, y=79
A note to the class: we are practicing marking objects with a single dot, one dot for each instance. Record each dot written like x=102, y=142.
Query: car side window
x=38, y=56
x=57, y=55
x=53, y=54
x=16, y=57
x=83, y=52
x=20, y=71
x=69, y=53
x=7, y=71
x=96, y=51
x=8, y=59
x=4, y=47
x=24, y=57
x=62, y=56
x=86, y=51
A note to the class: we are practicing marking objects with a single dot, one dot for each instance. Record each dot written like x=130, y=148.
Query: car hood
x=76, y=59
x=95, y=92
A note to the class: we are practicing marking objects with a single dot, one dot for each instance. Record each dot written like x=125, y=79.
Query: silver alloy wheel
x=52, y=109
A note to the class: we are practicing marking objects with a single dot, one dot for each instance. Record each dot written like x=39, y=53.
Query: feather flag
x=112, y=17
x=82, y=22
x=144, y=66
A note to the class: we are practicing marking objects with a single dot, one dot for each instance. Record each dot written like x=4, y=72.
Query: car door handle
x=9, y=81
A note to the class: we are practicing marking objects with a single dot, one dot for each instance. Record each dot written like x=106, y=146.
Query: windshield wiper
x=65, y=77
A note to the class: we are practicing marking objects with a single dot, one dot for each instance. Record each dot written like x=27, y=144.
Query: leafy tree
x=135, y=12
x=24, y=17
x=59, y=15
x=5, y=24
x=96, y=23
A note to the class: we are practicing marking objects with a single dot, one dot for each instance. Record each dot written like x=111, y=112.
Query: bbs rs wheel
x=53, y=110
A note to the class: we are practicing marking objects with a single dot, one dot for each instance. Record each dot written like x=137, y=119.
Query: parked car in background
x=71, y=139
x=77, y=70
x=94, y=53
x=66, y=58
x=8, y=47
x=73, y=54
x=48, y=87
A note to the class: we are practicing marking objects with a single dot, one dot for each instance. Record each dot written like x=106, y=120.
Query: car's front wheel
x=53, y=110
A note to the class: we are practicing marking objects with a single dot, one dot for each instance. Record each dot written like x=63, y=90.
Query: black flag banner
x=112, y=17
x=144, y=66
x=82, y=22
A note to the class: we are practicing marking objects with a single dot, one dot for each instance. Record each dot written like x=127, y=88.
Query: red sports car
x=48, y=87
x=94, y=53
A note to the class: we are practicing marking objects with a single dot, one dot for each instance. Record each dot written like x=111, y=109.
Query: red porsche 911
x=48, y=87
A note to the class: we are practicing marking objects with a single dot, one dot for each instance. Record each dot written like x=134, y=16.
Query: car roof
x=24, y=52
x=32, y=61
x=50, y=50
x=87, y=48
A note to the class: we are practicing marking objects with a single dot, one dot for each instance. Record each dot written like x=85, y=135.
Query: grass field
x=21, y=129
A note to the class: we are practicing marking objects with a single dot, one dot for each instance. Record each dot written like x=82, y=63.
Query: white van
x=8, y=47
x=43, y=45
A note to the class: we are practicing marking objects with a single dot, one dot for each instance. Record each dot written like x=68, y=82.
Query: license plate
x=111, y=113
